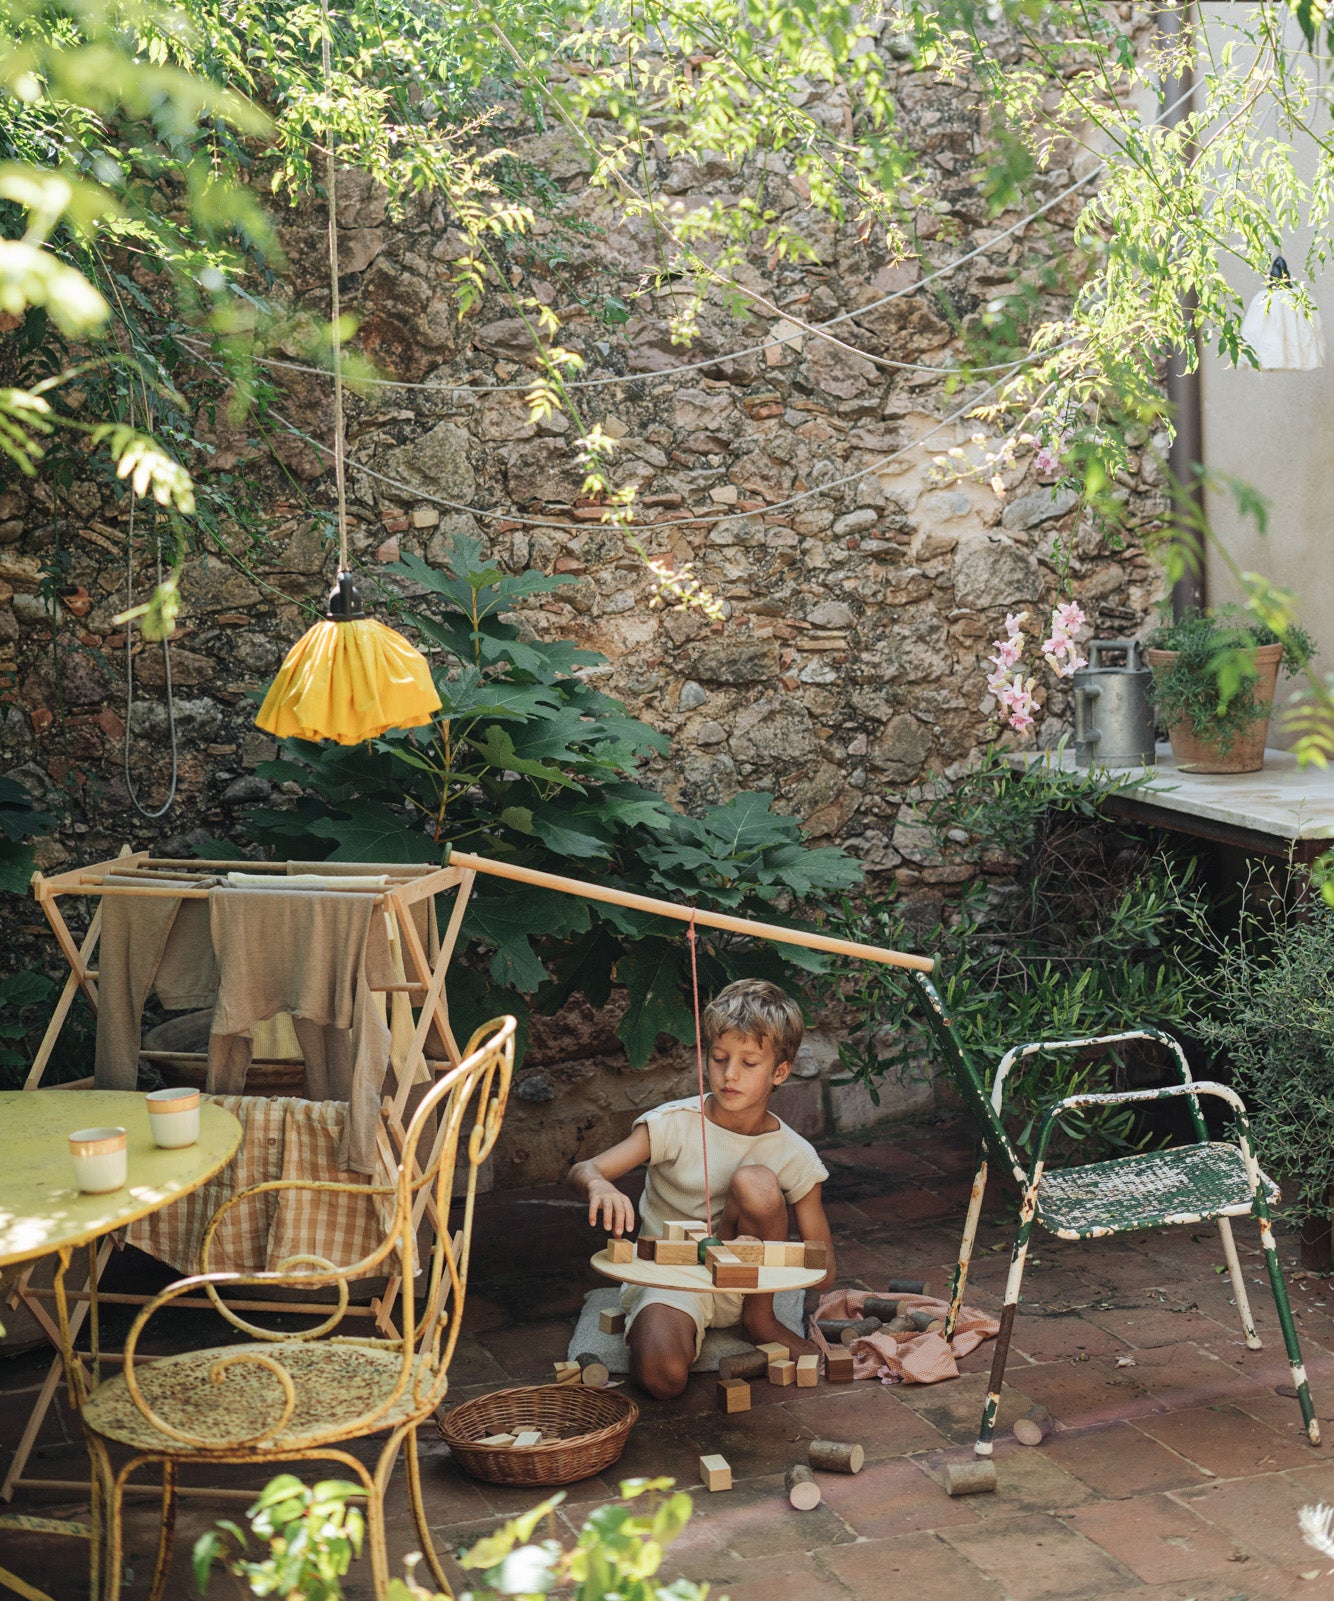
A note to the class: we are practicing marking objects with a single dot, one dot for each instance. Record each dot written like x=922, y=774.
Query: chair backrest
x=968, y=1080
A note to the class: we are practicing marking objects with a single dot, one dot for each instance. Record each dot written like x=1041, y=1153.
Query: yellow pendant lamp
x=348, y=678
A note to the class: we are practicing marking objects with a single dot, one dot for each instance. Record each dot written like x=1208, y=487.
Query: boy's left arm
x=812, y=1224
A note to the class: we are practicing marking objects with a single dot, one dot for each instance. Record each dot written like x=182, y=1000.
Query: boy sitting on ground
x=758, y=1167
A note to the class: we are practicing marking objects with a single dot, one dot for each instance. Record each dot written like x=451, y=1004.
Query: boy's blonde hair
x=755, y=1007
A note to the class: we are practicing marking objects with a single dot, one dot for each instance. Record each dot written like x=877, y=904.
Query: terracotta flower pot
x=1246, y=754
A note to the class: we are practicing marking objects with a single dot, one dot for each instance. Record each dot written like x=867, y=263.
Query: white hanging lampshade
x=1283, y=335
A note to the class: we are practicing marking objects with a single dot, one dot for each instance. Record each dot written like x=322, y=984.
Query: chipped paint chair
x=281, y=1396
x=1208, y=1179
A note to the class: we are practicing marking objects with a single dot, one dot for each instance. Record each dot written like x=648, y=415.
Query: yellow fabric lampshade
x=349, y=681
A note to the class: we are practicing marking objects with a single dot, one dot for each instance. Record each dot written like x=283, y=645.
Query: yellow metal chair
x=281, y=1397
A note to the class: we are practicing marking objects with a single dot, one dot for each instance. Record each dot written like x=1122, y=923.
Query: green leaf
x=370, y=832
x=652, y=975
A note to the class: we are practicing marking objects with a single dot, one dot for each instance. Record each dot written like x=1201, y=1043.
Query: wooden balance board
x=696, y=1279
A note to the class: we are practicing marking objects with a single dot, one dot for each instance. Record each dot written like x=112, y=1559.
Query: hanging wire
x=699, y=1067
x=127, y=741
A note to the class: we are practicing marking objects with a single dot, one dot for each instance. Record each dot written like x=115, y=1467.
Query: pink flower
x=1013, y=623
x=1046, y=460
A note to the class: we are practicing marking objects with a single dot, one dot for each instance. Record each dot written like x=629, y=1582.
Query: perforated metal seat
x=1186, y=1185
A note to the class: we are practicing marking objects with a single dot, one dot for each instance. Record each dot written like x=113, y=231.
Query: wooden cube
x=680, y=1229
x=620, y=1250
x=775, y=1254
x=567, y=1372
x=815, y=1254
x=645, y=1246
x=497, y=1439
x=808, y=1372
x=527, y=1438
x=840, y=1367
x=729, y=1272
x=697, y=1232
x=773, y=1350
x=747, y=1250
x=783, y=1372
x=611, y=1320
x=676, y=1253
x=733, y=1395
x=716, y=1472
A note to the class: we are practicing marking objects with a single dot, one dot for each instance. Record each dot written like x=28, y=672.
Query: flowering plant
x=1013, y=691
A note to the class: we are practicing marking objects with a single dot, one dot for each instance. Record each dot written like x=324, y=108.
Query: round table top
x=40, y=1206
x=696, y=1279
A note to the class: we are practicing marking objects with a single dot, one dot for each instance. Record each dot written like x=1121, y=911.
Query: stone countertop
x=1283, y=799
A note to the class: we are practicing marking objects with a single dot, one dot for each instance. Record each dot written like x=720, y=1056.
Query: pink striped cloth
x=911, y=1358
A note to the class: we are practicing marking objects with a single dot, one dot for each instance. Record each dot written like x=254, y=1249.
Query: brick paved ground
x=1176, y=1472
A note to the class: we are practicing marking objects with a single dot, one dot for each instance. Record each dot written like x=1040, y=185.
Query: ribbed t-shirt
x=674, y=1187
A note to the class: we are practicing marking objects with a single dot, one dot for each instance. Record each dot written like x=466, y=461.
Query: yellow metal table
x=43, y=1213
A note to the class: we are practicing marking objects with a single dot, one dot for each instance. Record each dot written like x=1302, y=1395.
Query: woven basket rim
x=575, y=1394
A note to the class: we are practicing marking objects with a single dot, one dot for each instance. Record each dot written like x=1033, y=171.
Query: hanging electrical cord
x=127, y=741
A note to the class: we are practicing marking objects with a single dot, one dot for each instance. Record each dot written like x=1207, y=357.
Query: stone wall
x=850, y=670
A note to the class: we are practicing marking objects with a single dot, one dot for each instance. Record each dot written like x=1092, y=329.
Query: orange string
x=699, y=1066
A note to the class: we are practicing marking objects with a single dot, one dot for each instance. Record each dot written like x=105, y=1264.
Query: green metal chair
x=1210, y=1179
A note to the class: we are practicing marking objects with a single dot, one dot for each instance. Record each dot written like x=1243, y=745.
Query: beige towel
x=913, y=1358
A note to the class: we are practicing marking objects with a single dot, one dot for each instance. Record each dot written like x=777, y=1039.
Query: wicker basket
x=590, y=1429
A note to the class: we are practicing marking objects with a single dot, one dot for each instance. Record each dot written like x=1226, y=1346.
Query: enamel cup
x=100, y=1161
x=173, y=1116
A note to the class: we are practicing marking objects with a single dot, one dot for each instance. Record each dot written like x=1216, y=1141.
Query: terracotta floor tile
x=1082, y=1394
x=1156, y=1324
x=1117, y=1460
x=1051, y=1339
x=755, y=1519
x=909, y=1202
x=873, y=1414
x=769, y=1578
x=1027, y=1480
x=1225, y=1440
x=1038, y=1558
x=894, y=1498
x=919, y=1566
x=1158, y=1539
x=954, y=1409
x=1188, y=1375
x=1260, y=1514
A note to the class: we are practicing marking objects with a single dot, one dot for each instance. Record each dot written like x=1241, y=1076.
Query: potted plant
x=1214, y=677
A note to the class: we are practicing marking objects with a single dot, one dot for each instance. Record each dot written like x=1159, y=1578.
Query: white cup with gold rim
x=173, y=1117
x=100, y=1159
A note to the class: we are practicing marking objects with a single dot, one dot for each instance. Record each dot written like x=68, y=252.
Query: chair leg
x=1253, y=1340
x=115, y=1554
x=960, y=1275
x=1001, y=1354
x=1285, y=1323
x=376, y=1486
x=167, y=1532
x=413, y=1466
x=101, y=1478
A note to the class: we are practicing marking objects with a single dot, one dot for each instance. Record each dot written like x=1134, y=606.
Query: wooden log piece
x=880, y=1306
x=620, y=1250
x=832, y=1327
x=566, y=1372
x=783, y=1372
x=808, y=1372
x=977, y=1477
x=906, y=1286
x=802, y=1490
x=611, y=1320
x=733, y=1395
x=901, y=1325
x=840, y=1367
x=923, y=1321
x=744, y=1365
x=716, y=1472
x=1034, y=1427
x=592, y=1372
x=855, y=1331
x=835, y=1456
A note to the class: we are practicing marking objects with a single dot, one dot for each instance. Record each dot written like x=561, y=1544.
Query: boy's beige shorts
x=706, y=1311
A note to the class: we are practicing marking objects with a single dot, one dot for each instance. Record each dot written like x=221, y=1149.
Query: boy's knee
x=756, y=1189
x=664, y=1374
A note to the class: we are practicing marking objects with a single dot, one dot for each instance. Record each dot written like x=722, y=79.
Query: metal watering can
x=1113, y=717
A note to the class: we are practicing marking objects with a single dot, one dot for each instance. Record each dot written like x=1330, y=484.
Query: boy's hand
x=617, y=1211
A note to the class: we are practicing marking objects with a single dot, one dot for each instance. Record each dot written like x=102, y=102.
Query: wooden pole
x=684, y=914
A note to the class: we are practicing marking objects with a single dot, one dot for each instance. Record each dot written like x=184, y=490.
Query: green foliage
x=312, y=1535
x=527, y=762
x=1079, y=942
x=1212, y=683
x=20, y=817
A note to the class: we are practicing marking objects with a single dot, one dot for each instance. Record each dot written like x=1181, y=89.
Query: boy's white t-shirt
x=674, y=1188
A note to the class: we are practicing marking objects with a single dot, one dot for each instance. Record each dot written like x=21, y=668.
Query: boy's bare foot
x=762, y=1327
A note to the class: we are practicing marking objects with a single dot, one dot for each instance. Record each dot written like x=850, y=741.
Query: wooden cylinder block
x=744, y=1365
x=906, y=1286
x=592, y=1372
x=880, y=1306
x=802, y=1490
x=1034, y=1427
x=832, y=1327
x=923, y=1321
x=971, y=1478
x=855, y=1331
x=835, y=1456
x=901, y=1325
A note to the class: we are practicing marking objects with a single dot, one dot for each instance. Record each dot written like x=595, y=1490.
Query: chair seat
x=337, y=1385
x=1184, y=1185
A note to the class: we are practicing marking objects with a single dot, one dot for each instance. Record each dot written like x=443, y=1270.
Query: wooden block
x=815, y=1254
x=620, y=1250
x=906, y=1286
x=880, y=1306
x=922, y=1321
x=808, y=1372
x=747, y=1251
x=802, y=1490
x=645, y=1246
x=496, y=1439
x=528, y=1437
x=1034, y=1427
x=901, y=1325
x=840, y=1367
x=784, y=1372
x=775, y=1253
x=733, y=1395
x=697, y=1232
x=854, y=1331
x=835, y=1456
x=680, y=1229
x=971, y=1478
x=744, y=1365
x=774, y=1351
x=676, y=1253
x=716, y=1472
x=566, y=1372
x=729, y=1272
x=832, y=1327
x=592, y=1372
x=611, y=1320
x=794, y=1253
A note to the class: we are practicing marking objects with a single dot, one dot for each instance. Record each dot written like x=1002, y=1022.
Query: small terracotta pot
x=1246, y=754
